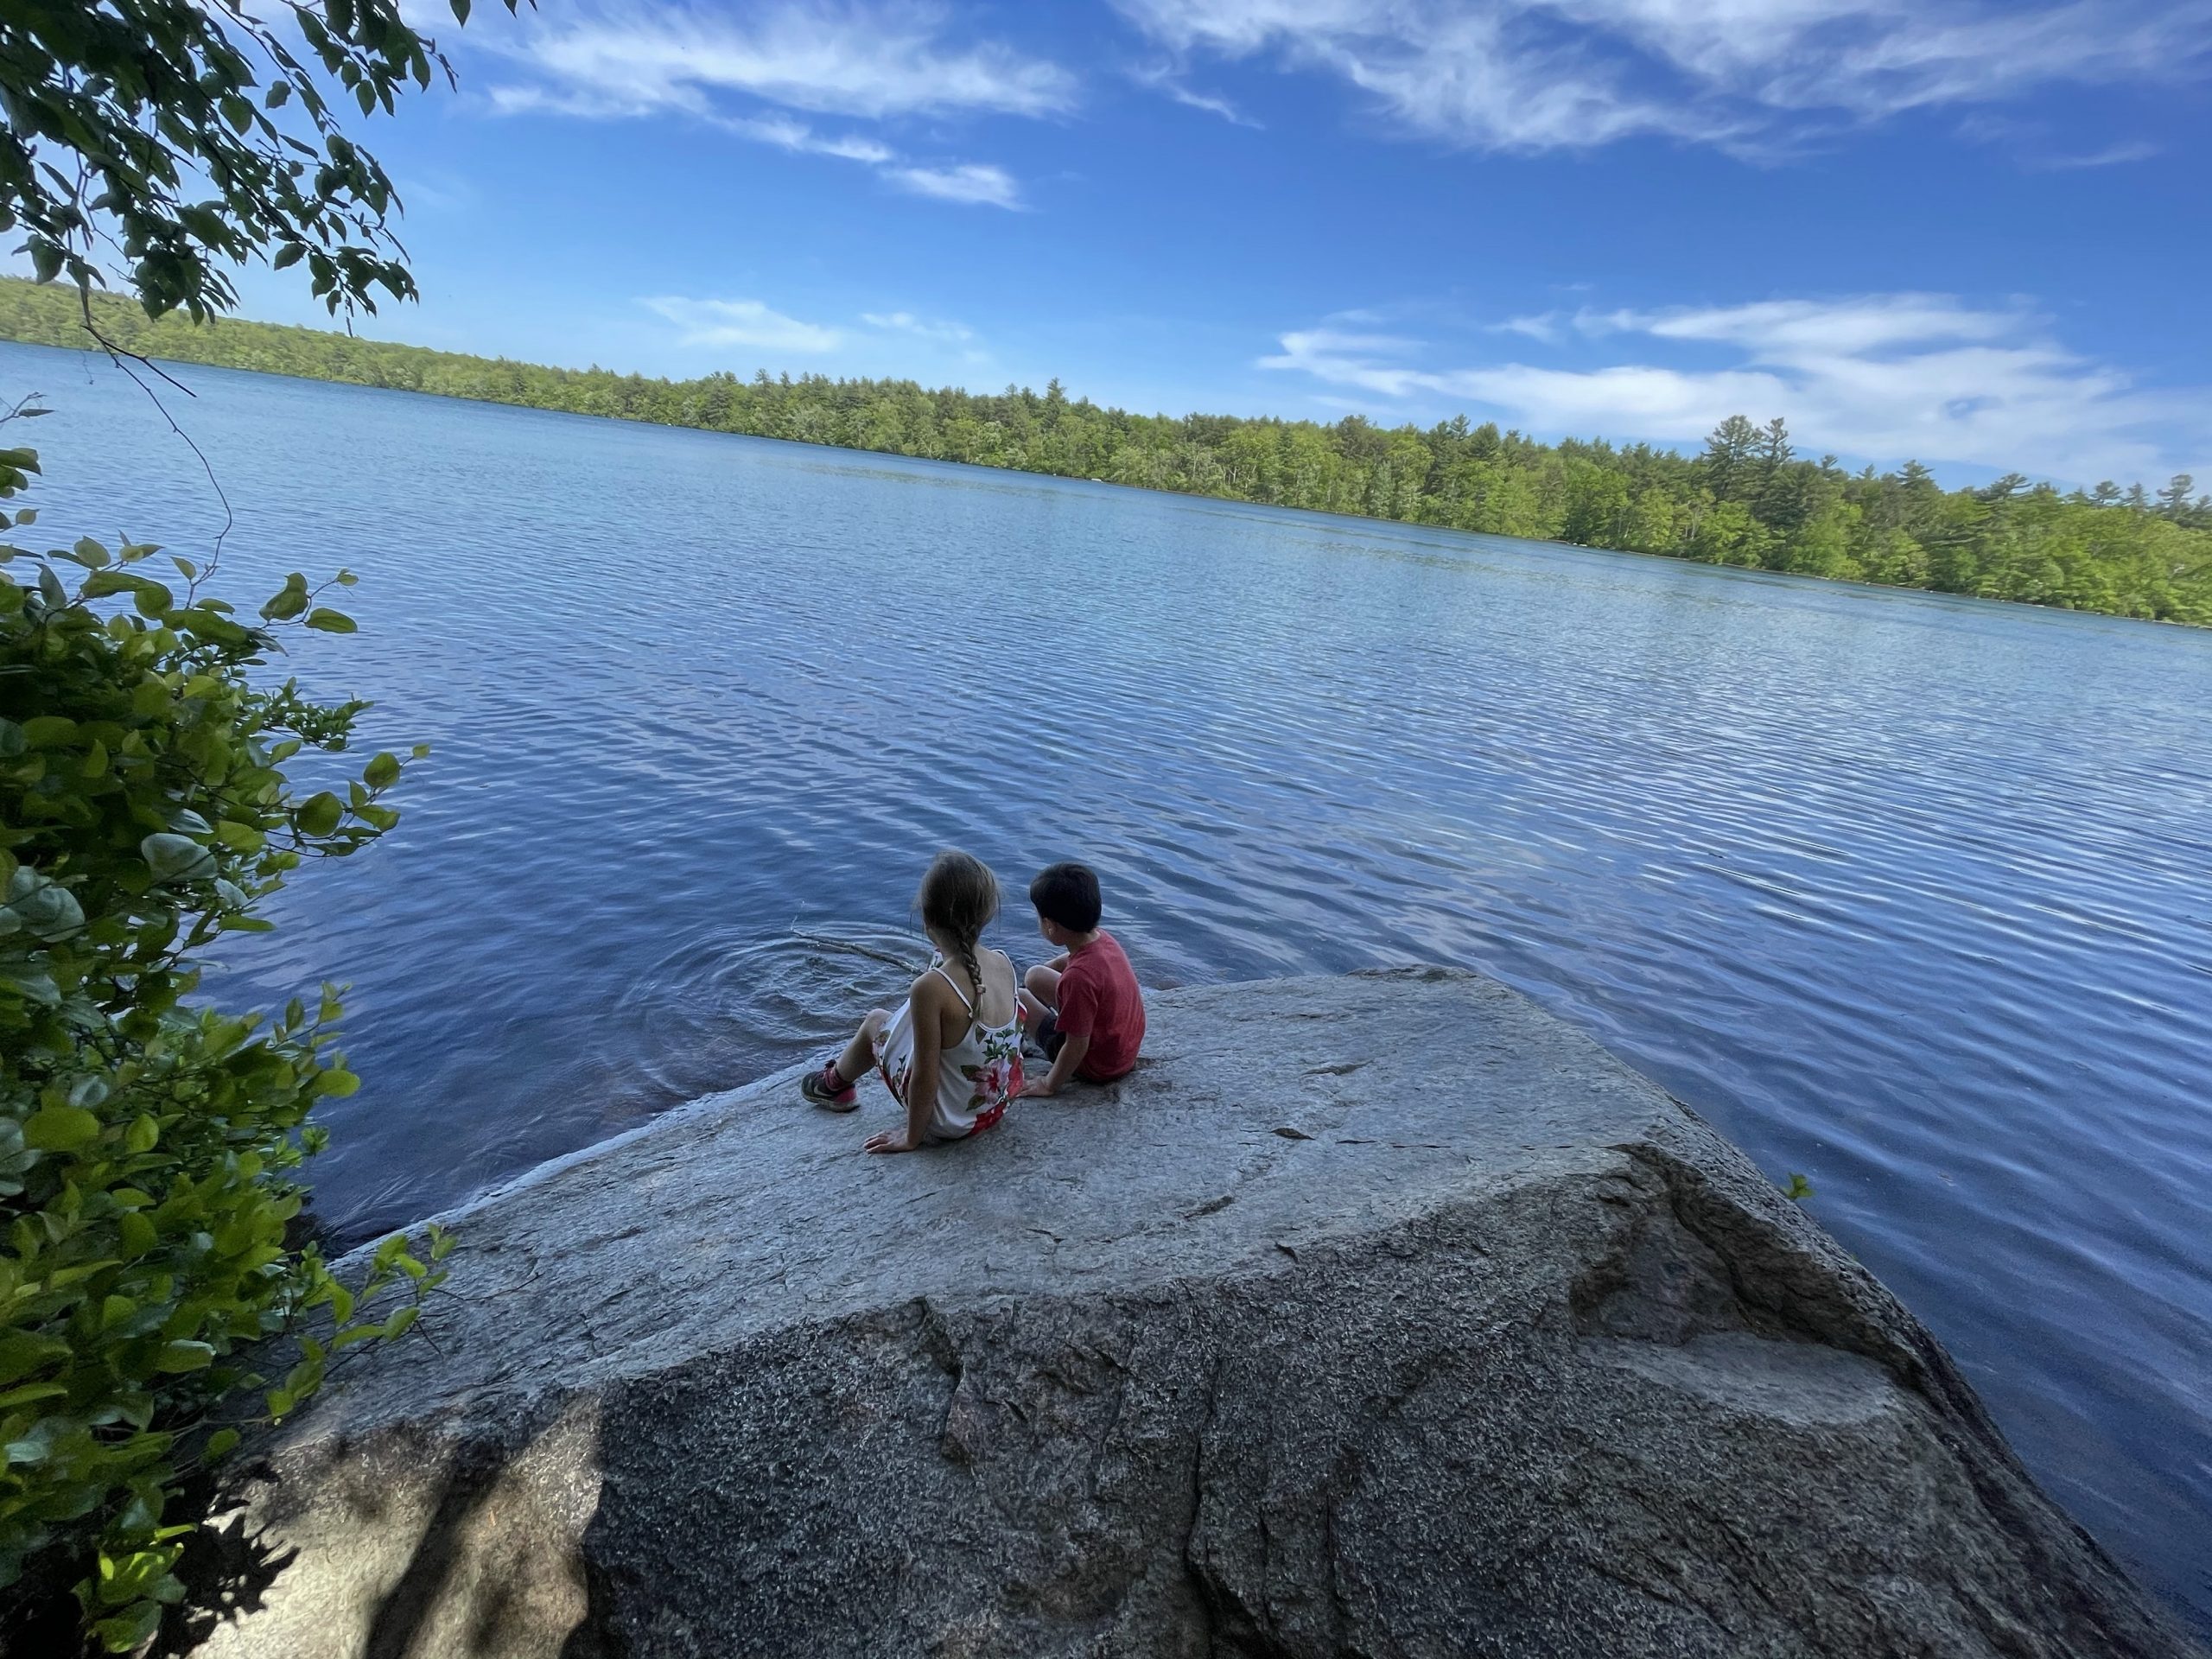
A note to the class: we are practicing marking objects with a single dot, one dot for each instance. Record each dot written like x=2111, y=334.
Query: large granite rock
x=1381, y=1315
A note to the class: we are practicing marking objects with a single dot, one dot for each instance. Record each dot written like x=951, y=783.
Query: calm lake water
x=1911, y=894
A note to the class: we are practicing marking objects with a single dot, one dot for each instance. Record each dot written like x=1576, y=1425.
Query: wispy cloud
x=867, y=61
x=906, y=323
x=753, y=323
x=1166, y=79
x=1544, y=326
x=2110, y=155
x=884, y=61
x=1885, y=377
x=744, y=323
x=1745, y=74
x=801, y=139
x=992, y=186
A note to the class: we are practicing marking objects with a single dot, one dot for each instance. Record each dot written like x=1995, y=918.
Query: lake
x=1911, y=895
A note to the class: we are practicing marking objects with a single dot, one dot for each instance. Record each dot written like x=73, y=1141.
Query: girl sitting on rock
x=951, y=1055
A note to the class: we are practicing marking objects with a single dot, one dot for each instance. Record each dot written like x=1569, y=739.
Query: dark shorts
x=1049, y=1037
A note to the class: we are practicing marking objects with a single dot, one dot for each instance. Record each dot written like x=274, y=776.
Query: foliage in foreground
x=120, y=113
x=149, y=1145
x=1747, y=500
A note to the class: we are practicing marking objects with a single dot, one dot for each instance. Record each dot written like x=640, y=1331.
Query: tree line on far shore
x=1749, y=498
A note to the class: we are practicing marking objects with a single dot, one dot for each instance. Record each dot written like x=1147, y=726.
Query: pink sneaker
x=828, y=1089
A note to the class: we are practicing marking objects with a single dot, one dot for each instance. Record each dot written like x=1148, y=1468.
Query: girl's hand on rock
x=1036, y=1089
x=891, y=1141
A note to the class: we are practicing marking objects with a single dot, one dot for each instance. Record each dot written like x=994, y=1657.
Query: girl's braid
x=974, y=975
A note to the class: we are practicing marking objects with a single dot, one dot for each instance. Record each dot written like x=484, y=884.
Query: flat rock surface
x=1374, y=1315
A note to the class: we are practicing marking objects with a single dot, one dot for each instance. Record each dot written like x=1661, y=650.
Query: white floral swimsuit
x=976, y=1076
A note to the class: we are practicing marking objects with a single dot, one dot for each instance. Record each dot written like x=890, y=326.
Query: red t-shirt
x=1099, y=999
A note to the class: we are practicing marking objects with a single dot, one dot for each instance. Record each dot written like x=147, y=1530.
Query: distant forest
x=1749, y=498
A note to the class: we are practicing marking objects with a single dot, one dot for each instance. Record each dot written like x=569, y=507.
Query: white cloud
x=1885, y=377
x=1545, y=326
x=744, y=323
x=801, y=139
x=607, y=60
x=869, y=60
x=753, y=323
x=1168, y=79
x=2110, y=155
x=1804, y=330
x=906, y=323
x=992, y=186
x=1745, y=75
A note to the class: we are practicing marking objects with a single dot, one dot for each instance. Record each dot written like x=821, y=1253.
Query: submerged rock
x=1383, y=1315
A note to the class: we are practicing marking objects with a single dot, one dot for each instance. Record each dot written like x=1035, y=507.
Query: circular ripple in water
x=720, y=1006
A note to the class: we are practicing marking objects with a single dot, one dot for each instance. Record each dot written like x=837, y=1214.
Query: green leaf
x=176, y=858
x=336, y=1083
x=44, y=908
x=219, y=1444
x=143, y=1135
x=283, y=607
x=319, y=815
x=61, y=1128
x=383, y=772
x=323, y=620
x=128, y=1629
x=21, y=1353
x=183, y=1356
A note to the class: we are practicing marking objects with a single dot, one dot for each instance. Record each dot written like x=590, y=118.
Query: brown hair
x=959, y=897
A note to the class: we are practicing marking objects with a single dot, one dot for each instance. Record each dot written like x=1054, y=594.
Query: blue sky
x=1972, y=234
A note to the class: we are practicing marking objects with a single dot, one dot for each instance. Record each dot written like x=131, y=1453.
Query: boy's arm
x=1064, y=1066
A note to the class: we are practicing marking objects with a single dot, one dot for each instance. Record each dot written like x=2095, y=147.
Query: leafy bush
x=150, y=1146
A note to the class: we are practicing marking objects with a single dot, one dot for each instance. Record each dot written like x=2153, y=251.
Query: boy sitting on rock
x=1083, y=1008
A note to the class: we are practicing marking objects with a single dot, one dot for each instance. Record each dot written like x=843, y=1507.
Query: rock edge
x=1379, y=1315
